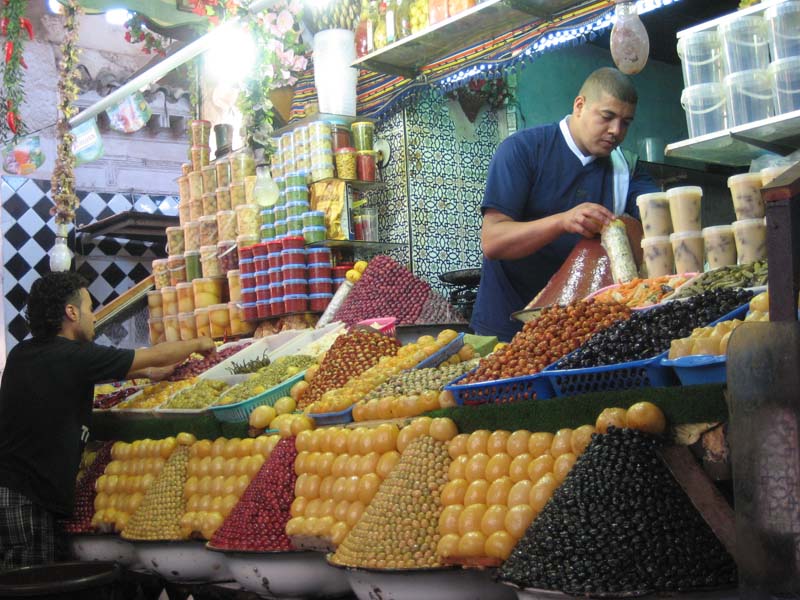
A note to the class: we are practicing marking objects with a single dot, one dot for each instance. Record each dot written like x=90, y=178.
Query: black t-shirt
x=45, y=409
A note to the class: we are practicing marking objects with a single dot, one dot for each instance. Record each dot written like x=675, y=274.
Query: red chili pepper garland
x=13, y=26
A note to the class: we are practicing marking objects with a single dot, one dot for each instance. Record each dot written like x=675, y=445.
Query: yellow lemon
x=352, y=276
x=360, y=266
x=285, y=405
x=262, y=416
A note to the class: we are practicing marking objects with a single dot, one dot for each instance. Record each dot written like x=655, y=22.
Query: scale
x=465, y=289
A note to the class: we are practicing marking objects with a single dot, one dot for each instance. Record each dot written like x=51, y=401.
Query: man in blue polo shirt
x=548, y=186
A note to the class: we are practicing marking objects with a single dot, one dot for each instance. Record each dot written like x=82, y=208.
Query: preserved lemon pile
x=218, y=474
x=204, y=393
x=130, y=474
x=358, y=387
x=159, y=515
x=155, y=395
x=399, y=528
x=266, y=378
x=338, y=471
x=497, y=483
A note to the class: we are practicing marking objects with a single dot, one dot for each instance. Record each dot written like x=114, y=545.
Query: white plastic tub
x=783, y=26
x=744, y=44
x=785, y=73
x=750, y=97
x=701, y=57
x=705, y=108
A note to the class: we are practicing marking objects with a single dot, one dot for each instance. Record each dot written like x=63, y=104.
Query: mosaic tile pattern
x=112, y=266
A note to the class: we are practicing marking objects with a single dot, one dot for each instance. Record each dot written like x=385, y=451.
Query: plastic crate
x=333, y=418
x=696, y=370
x=240, y=412
x=528, y=387
x=434, y=360
x=385, y=325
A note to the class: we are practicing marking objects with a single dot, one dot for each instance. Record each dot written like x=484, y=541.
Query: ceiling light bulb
x=630, y=45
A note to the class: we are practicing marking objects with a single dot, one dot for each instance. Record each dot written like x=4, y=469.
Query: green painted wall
x=548, y=85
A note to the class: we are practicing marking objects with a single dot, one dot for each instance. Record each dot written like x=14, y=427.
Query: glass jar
x=220, y=320
x=402, y=19
x=191, y=235
x=156, y=327
x=223, y=198
x=207, y=291
x=185, y=297
x=238, y=324
x=366, y=165
x=248, y=219
x=364, y=31
x=243, y=163
x=187, y=323
x=208, y=231
x=419, y=15
x=155, y=307
x=169, y=300
x=363, y=135
x=177, y=269
x=226, y=225
x=193, y=268
x=234, y=286
x=209, y=174
x=340, y=136
x=223, y=168
x=175, y=242
x=172, y=332
x=237, y=194
x=209, y=204
x=346, y=163
x=201, y=322
x=209, y=261
x=160, y=273
x=228, y=255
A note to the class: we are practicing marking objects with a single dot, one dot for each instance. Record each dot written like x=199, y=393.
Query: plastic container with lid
x=209, y=174
x=263, y=292
x=294, y=303
x=247, y=266
x=277, y=306
x=321, y=285
x=185, y=293
x=262, y=278
x=196, y=189
x=187, y=324
x=366, y=165
x=219, y=318
x=195, y=209
x=228, y=255
x=260, y=264
x=191, y=235
x=654, y=210
x=295, y=286
x=300, y=137
x=186, y=168
x=223, y=198
x=193, y=266
x=293, y=257
x=249, y=295
x=314, y=234
x=687, y=248
x=785, y=76
x=199, y=132
x=337, y=281
x=172, y=331
x=264, y=309
x=296, y=208
x=239, y=326
x=314, y=218
x=720, y=246
x=175, y=242
x=169, y=300
x=293, y=180
x=280, y=228
x=208, y=231
x=745, y=45
x=267, y=216
x=209, y=262
x=751, y=240
x=226, y=225
x=234, y=286
x=223, y=168
x=243, y=164
x=177, y=269
x=236, y=191
x=296, y=193
x=245, y=244
x=346, y=163
x=208, y=291
x=250, y=189
x=750, y=97
x=267, y=232
x=319, y=270
x=319, y=302
x=155, y=326
x=685, y=210
x=318, y=173
x=294, y=243
x=783, y=27
x=706, y=107
x=746, y=193
x=318, y=255
x=184, y=194
x=279, y=212
x=294, y=226
x=261, y=250
x=160, y=273
x=210, y=204
x=248, y=219
x=155, y=305
x=249, y=311
x=363, y=135
x=770, y=173
x=340, y=136
x=201, y=322
x=184, y=212
x=701, y=57
x=319, y=129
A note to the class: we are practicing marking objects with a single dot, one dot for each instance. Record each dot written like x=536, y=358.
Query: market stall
x=320, y=452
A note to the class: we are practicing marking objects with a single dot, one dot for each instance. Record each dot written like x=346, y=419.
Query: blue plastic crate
x=240, y=412
x=436, y=359
x=696, y=370
x=333, y=418
x=528, y=387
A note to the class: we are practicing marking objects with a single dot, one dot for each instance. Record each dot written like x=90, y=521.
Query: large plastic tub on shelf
x=706, y=108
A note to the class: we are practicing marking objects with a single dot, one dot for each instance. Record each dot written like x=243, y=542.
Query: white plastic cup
x=783, y=28
x=751, y=240
x=750, y=96
x=685, y=208
x=706, y=107
x=701, y=57
x=746, y=193
x=744, y=43
x=720, y=246
x=658, y=256
x=654, y=210
x=335, y=79
x=770, y=173
x=687, y=248
x=785, y=76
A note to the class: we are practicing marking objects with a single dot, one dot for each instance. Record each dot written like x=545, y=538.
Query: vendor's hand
x=205, y=345
x=160, y=373
x=586, y=219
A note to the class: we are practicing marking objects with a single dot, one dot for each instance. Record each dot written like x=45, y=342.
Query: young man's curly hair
x=47, y=300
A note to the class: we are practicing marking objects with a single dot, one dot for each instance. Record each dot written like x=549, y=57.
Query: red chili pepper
x=11, y=119
x=22, y=62
x=9, y=51
x=26, y=24
x=4, y=26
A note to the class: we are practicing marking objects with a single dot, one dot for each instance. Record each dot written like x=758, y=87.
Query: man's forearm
x=509, y=240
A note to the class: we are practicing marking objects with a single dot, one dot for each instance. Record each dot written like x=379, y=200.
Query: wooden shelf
x=131, y=225
x=356, y=245
x=481, y=22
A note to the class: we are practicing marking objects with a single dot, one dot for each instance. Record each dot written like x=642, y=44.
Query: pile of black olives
x=649, y=333
x=619, y=523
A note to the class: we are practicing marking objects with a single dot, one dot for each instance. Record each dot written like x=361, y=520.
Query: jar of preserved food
x=243, y=163
x=207, y=291
x=193, y=268
x=156, y=327
x=219, y=319
x=437, y=11
x=366, y=166
x=210, y=262
x=201, y=322
x=169, y=300
x=160, y=273
x=237, y=194
x=191, y=235
x=187, y=323
x=185, y=297
x=226, y=225
x=248, y=219
x=175, y=242
x=234, y=286
x=209, y=174
x=209, y=204
x=340, y=136
x=172, y=332
x=228, y=255
x=346, y=162
x=177, y=269
x=155, y=307
x=196, y=188
x=208, y=231
x=223, y=198
x=223, y=168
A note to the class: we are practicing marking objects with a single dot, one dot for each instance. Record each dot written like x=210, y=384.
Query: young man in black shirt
x=46, y=406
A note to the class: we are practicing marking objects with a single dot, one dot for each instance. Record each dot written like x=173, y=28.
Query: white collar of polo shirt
x=585, y=160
